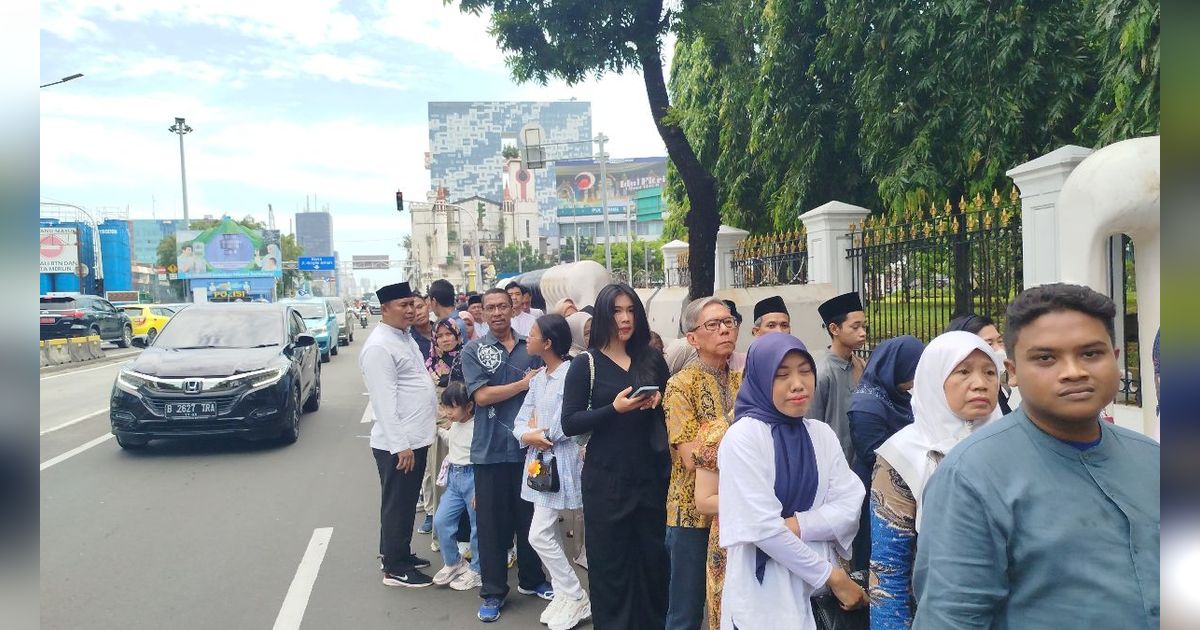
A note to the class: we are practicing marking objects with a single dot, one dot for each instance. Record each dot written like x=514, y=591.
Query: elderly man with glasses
x=701, y=392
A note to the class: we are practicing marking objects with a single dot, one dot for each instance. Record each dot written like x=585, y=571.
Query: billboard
x=228, y=249
x=59, y=250
x=577, y=183
x=370, y=262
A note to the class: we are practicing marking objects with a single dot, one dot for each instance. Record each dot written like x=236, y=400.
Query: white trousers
x=545, y=536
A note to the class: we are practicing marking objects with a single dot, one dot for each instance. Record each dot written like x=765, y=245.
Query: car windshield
x=222, y=328
x=132, y=310
x=310, y=310
x=58, y=304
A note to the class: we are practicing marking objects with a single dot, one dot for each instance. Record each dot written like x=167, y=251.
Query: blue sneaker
x=489, y=611
x=427, y=526
x=543, y=590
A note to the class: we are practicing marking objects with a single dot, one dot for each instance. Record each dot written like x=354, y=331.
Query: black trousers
x=860, y=558
x=398, y=508
x=500, y=514
x=628, y=567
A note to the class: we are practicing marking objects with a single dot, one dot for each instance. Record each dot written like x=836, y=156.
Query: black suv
x=83, y=315
x=246, y=370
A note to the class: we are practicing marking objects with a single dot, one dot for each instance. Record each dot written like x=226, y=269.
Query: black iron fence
x=1123, y=288
x=773, y=259
x=915, y=272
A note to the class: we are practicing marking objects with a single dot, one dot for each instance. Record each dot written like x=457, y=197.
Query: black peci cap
x=397, y=291
x=773, y=304
x=840, y=305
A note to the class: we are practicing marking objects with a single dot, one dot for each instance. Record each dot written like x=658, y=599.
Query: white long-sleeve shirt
x=403, y=397
x=797, y=567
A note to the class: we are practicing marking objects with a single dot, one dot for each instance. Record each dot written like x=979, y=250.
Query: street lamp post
x=180, y=127
x=603, y=157
x=62, y=80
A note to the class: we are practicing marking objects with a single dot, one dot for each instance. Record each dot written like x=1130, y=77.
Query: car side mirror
x=304, y=340
x=139, y=342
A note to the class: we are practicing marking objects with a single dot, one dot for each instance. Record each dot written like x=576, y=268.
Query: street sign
x=370, y=262
x=316, y=263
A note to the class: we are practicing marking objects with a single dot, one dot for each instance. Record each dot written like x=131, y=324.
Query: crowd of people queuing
x=769, y=489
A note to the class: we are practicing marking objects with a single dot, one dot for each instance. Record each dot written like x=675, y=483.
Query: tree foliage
x=1125, y=36
x=505, y=260
x=577, y=41
x=620, y=255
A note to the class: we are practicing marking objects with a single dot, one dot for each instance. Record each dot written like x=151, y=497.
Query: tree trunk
x=703, y=219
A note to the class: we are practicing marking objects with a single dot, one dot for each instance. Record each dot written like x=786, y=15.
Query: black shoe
x=417, y=562
x=410, y=579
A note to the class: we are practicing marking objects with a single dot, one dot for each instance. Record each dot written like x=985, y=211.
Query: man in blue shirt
x=497, y=370
x=1048, y=517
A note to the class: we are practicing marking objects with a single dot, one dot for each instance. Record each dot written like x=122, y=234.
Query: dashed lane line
x=296, y=601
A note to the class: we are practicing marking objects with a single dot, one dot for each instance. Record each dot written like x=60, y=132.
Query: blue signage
x=315, y=263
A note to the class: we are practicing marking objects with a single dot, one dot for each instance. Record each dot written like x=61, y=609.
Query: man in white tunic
x=789, y=502
x=403, y=400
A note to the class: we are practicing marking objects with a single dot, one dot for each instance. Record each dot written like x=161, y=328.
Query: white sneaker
x=435, y=546
x=552, y=609
x=468, y=580
x=572, y=612
x=447, y=573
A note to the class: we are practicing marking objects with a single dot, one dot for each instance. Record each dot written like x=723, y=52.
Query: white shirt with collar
x=523, y=323
x=403, y=397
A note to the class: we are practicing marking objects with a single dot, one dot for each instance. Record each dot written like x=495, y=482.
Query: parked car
x=148, y=319
x=345, y=324
x=321, y=322
x=246, y=370
x=82, y=315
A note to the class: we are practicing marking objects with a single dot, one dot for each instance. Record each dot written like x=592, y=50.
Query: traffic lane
x=65, y=396
x=195, y=534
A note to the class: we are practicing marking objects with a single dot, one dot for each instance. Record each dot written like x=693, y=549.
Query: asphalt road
x=225, y=534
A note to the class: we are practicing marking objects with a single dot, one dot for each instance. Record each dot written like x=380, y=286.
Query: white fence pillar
x=828, y=229
x=728, y=238
x=671, y=252
x=1040, y=182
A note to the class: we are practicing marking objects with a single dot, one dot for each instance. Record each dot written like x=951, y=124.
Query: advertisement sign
x=228, y=249
x=370, y=262
x=578, y=187
x=59, y=250
x=237, y=289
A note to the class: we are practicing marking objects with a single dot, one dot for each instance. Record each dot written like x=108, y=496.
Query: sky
x=318, y=103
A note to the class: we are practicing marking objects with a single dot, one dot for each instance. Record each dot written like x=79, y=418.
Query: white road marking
x=368, y=415
x=75, y=421
x=92, y=369
x=296, y=601
x=75, y=451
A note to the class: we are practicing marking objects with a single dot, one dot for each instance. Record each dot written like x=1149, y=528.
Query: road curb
x=67, y=367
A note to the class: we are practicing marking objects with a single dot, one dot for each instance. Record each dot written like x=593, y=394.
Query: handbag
x=827, y=610
x=583, y=438
x=543, y=473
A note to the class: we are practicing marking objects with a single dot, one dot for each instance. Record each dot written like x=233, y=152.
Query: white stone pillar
x=671, y=252
x=728, y=238
x=828, y=229
x=1040, y=182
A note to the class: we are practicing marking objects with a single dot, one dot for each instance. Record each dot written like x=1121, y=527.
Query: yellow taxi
x=148, y=319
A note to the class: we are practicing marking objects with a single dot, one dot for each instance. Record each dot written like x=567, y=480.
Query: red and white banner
x=59, y=250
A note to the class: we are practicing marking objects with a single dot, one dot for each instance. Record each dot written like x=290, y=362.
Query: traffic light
x=399, y=201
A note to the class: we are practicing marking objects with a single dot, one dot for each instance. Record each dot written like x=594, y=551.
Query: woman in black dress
x=627, y=466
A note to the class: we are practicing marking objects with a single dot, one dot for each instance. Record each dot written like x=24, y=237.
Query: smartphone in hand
x=643, y=391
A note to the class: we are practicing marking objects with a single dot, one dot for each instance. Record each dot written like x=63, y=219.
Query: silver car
x=345, y=327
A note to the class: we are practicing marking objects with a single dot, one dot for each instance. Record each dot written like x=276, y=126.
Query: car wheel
x=334, y=350
x=291, y=432
x=325, y=358
x=95, y=332
x=126, y=337
x=151, y=335
x=314, y=399
x=131, y=443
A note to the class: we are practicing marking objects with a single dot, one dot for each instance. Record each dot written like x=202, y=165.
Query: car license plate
x=49, y=320
x=191, y=410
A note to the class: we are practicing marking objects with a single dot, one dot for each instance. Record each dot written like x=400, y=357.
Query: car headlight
x=266, y=378
x=129, y=381
x=317, y=330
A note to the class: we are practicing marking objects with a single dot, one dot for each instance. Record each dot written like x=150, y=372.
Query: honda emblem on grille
x=192, y=386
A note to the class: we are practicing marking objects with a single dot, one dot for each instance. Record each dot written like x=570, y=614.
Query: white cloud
x=442, y=28
x=356, y=69
x=310, y=22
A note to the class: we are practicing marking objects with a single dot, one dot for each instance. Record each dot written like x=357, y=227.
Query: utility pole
x=629, y=241
x=181, y=127
x=603, y=157
x=575, y=221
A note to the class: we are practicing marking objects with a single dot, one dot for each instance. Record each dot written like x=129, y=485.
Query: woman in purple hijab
x=789, y=502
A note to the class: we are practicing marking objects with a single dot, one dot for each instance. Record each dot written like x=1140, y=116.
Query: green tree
x=1124, y=34
x=166, y=257
x=291, y=278
x=574, y=41
x=505, y=260
x=510, y=152
x=620, y=254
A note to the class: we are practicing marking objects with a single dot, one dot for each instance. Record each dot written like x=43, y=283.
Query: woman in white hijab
x=954, y=392
x=565, y=307
x=581, y=331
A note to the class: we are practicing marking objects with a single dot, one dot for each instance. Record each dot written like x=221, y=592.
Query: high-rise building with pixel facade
x=466, y=141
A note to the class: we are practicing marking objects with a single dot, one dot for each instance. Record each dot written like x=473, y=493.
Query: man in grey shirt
x=1048, y=517
x=839, y=369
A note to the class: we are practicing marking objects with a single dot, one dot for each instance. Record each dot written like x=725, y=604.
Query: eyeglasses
x=496, y=308
x=713, y=325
